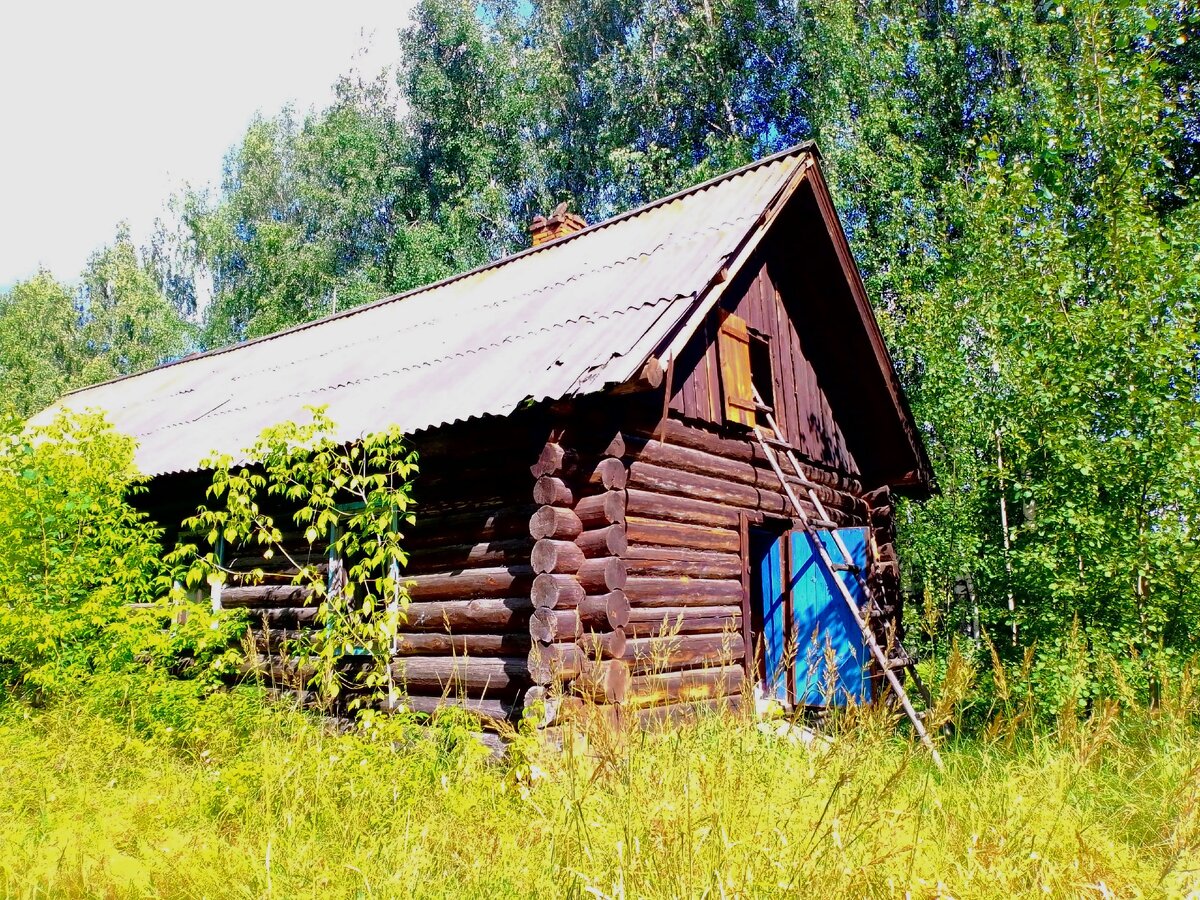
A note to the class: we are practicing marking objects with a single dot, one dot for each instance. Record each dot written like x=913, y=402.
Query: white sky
x=106, y=108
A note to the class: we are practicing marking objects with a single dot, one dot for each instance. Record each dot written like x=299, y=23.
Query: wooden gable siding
x=802, y=406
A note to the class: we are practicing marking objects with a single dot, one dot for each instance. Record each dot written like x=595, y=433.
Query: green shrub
x=75, y=556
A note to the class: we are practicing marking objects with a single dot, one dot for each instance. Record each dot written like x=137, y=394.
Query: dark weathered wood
x=653, y=505
x=495, y=524
x=466, y=556
x=604, y=682
x=659, y=592
x=492, y=711
x=675, y=432
x=551, y=491
x=649, y=621
x=648, y=477
x=279, y=595
x=610, y=474
x=507, y=581
x=688, y=685
x=554, y=625
x=442, y=644
x=660, y=654
x=601, y=611
x=472, y=675
x=285, y=616
x=672, y=715
x=556, y=591
x=598, y=645
x=745, y=575
x=598, y=510
x=484, y=614
x=701, y=462
x=555, y=707
x=642, y=560
x=555, y=522
x=601, y=575
x=607, y=541
x=558, y=557
x=556, y=662
x=677, y=534
x=553, y=459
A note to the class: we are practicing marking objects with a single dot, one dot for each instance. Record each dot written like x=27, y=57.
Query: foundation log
x=604, y=682
x=556, y=662
x=493, y=711
x=687, y=686
x=603, y=645
x=656, y=654
x=673, y=715
x=495, y=677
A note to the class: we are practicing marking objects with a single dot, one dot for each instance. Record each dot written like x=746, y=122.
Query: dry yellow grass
x=222, y=798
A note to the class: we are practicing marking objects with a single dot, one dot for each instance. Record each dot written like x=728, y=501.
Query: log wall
x=578, y=558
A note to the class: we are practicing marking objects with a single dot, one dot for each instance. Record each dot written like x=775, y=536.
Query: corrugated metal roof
x=563, y=319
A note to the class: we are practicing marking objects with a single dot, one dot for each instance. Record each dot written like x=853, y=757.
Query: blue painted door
x=769, y=599
x=831, y=658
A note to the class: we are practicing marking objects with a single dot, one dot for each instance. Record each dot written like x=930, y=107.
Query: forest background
x=1018, y=181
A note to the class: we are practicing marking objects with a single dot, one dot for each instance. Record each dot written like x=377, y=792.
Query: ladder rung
x=763, y=408
x=901, y=662
x=822, y=523
x=777, y=442
x=845, y=567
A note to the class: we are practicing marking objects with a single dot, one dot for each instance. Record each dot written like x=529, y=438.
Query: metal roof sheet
x=566, y=318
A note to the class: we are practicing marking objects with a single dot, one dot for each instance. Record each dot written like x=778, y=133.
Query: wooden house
x=594, y=511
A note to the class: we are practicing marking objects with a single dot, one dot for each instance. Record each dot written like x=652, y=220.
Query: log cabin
x=595, y=518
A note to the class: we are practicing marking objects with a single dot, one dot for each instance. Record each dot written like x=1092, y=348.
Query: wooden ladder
x=846, y=565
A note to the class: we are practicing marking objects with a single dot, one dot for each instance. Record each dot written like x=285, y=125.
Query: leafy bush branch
x=353, y=497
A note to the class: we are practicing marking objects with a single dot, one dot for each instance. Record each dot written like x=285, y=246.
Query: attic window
x=734, y=351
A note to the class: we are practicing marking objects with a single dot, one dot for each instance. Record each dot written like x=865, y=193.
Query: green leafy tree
x=75, y=556
x=128, y=324
x=41, y=349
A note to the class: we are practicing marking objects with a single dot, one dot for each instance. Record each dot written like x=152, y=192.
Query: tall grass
x=111, y=796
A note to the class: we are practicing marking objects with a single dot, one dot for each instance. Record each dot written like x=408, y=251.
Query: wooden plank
x=733, y=351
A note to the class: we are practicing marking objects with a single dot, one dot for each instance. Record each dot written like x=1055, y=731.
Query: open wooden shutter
x=733, y=350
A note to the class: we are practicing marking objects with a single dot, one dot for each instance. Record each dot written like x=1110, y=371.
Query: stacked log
x=464, y=637
x=687, y=495
x=580, y=607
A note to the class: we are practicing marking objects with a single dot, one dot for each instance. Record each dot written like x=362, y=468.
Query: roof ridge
x=803, y=147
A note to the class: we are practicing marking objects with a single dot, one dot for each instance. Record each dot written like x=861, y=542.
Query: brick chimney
x=559, y=224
